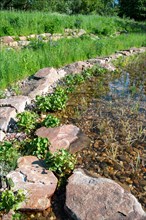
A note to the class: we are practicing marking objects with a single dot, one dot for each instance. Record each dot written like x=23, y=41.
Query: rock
x=2, y=135
x=22, y=43
x=17, y=102
x=38, y=183
x=45, y=73
x=7, y=39
x=81, y=32
x=13, y=44
x=93, y=198
x=41, y=89
x=67, y=137
x=7, y=116
x=23, y=38
x=47, y=35
x=32, y=36
x=77, y=67
x=47, y=77
x=8, y=216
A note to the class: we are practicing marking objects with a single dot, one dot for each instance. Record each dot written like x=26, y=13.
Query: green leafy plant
x=27, y=121
x=61, y=162
x=8, y=157
x=51, y=121
x=52, y=102
x=37, y=147
x=11, y=200
x=2, y=94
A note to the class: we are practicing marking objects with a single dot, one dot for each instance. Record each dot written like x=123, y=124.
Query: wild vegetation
x=26, y=23
x=18, y=64
x=104, y=35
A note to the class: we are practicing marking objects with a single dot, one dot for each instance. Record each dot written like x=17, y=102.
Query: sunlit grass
x=18, y=64
x=25, y=23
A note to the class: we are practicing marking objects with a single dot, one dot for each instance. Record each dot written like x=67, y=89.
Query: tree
x=133, y=8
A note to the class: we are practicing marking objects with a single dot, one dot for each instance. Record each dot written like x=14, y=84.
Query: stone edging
x=23, y=41
x=43, y=82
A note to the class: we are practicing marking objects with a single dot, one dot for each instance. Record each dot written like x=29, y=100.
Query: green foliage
x=8, y=157
x=16, y=65
x=133, y=8
x=27, y=121
x=52, y=102
x=61, y=162
x=12, y=23
x=37, y=147
x=2, y=94
x=11, y=200
x=51, y=121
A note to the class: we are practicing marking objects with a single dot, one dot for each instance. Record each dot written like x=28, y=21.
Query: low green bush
x=52, y=102
x=51, y=121
x=10, y=200
x=37, y=147
x=61, y=162
x=8, y=157
x=27, y=121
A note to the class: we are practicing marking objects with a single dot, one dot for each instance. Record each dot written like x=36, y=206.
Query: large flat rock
x=93, y=198
x=46, y=78
x=7, y=116
x=17, y=102
x=67, y=137
x=38, y=183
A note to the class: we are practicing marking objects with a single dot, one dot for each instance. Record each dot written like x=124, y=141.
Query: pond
x=111, y=110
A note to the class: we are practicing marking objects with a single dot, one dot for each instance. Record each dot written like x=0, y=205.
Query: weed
x=38, y=147
x=61, y=162
x=8, y=157
x=11, y=200
x=52, y=102
x=27, y=121
x=51, y=121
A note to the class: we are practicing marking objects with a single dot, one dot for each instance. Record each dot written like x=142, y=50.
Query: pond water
x=111, y=110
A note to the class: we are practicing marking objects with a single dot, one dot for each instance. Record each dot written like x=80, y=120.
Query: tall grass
x=25, y=23
x=18, y=64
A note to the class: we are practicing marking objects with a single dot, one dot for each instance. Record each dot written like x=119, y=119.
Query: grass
x=25, y=23
x=16, y=65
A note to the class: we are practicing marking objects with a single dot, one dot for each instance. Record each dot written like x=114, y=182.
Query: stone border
x=44, y=81
x=23, y=41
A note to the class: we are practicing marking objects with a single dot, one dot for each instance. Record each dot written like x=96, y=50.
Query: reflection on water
x=124, y=87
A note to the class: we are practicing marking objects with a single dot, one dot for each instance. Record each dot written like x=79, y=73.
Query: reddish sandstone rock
x=7, y=115
x=38, y=183
x=93, y=198
x=67, y=137
x=7, y=39
x=17, y=102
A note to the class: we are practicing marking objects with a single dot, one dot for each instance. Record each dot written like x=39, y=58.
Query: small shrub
x=27, y=121
x=51, y=121
x=61, y=162
x=52, y=102
x=8, y=157
x=11, y=200
x=37, y=147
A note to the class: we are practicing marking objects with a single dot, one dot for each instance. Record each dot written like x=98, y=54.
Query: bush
x=27, y=121
x=51, y=121
x=61, y=162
